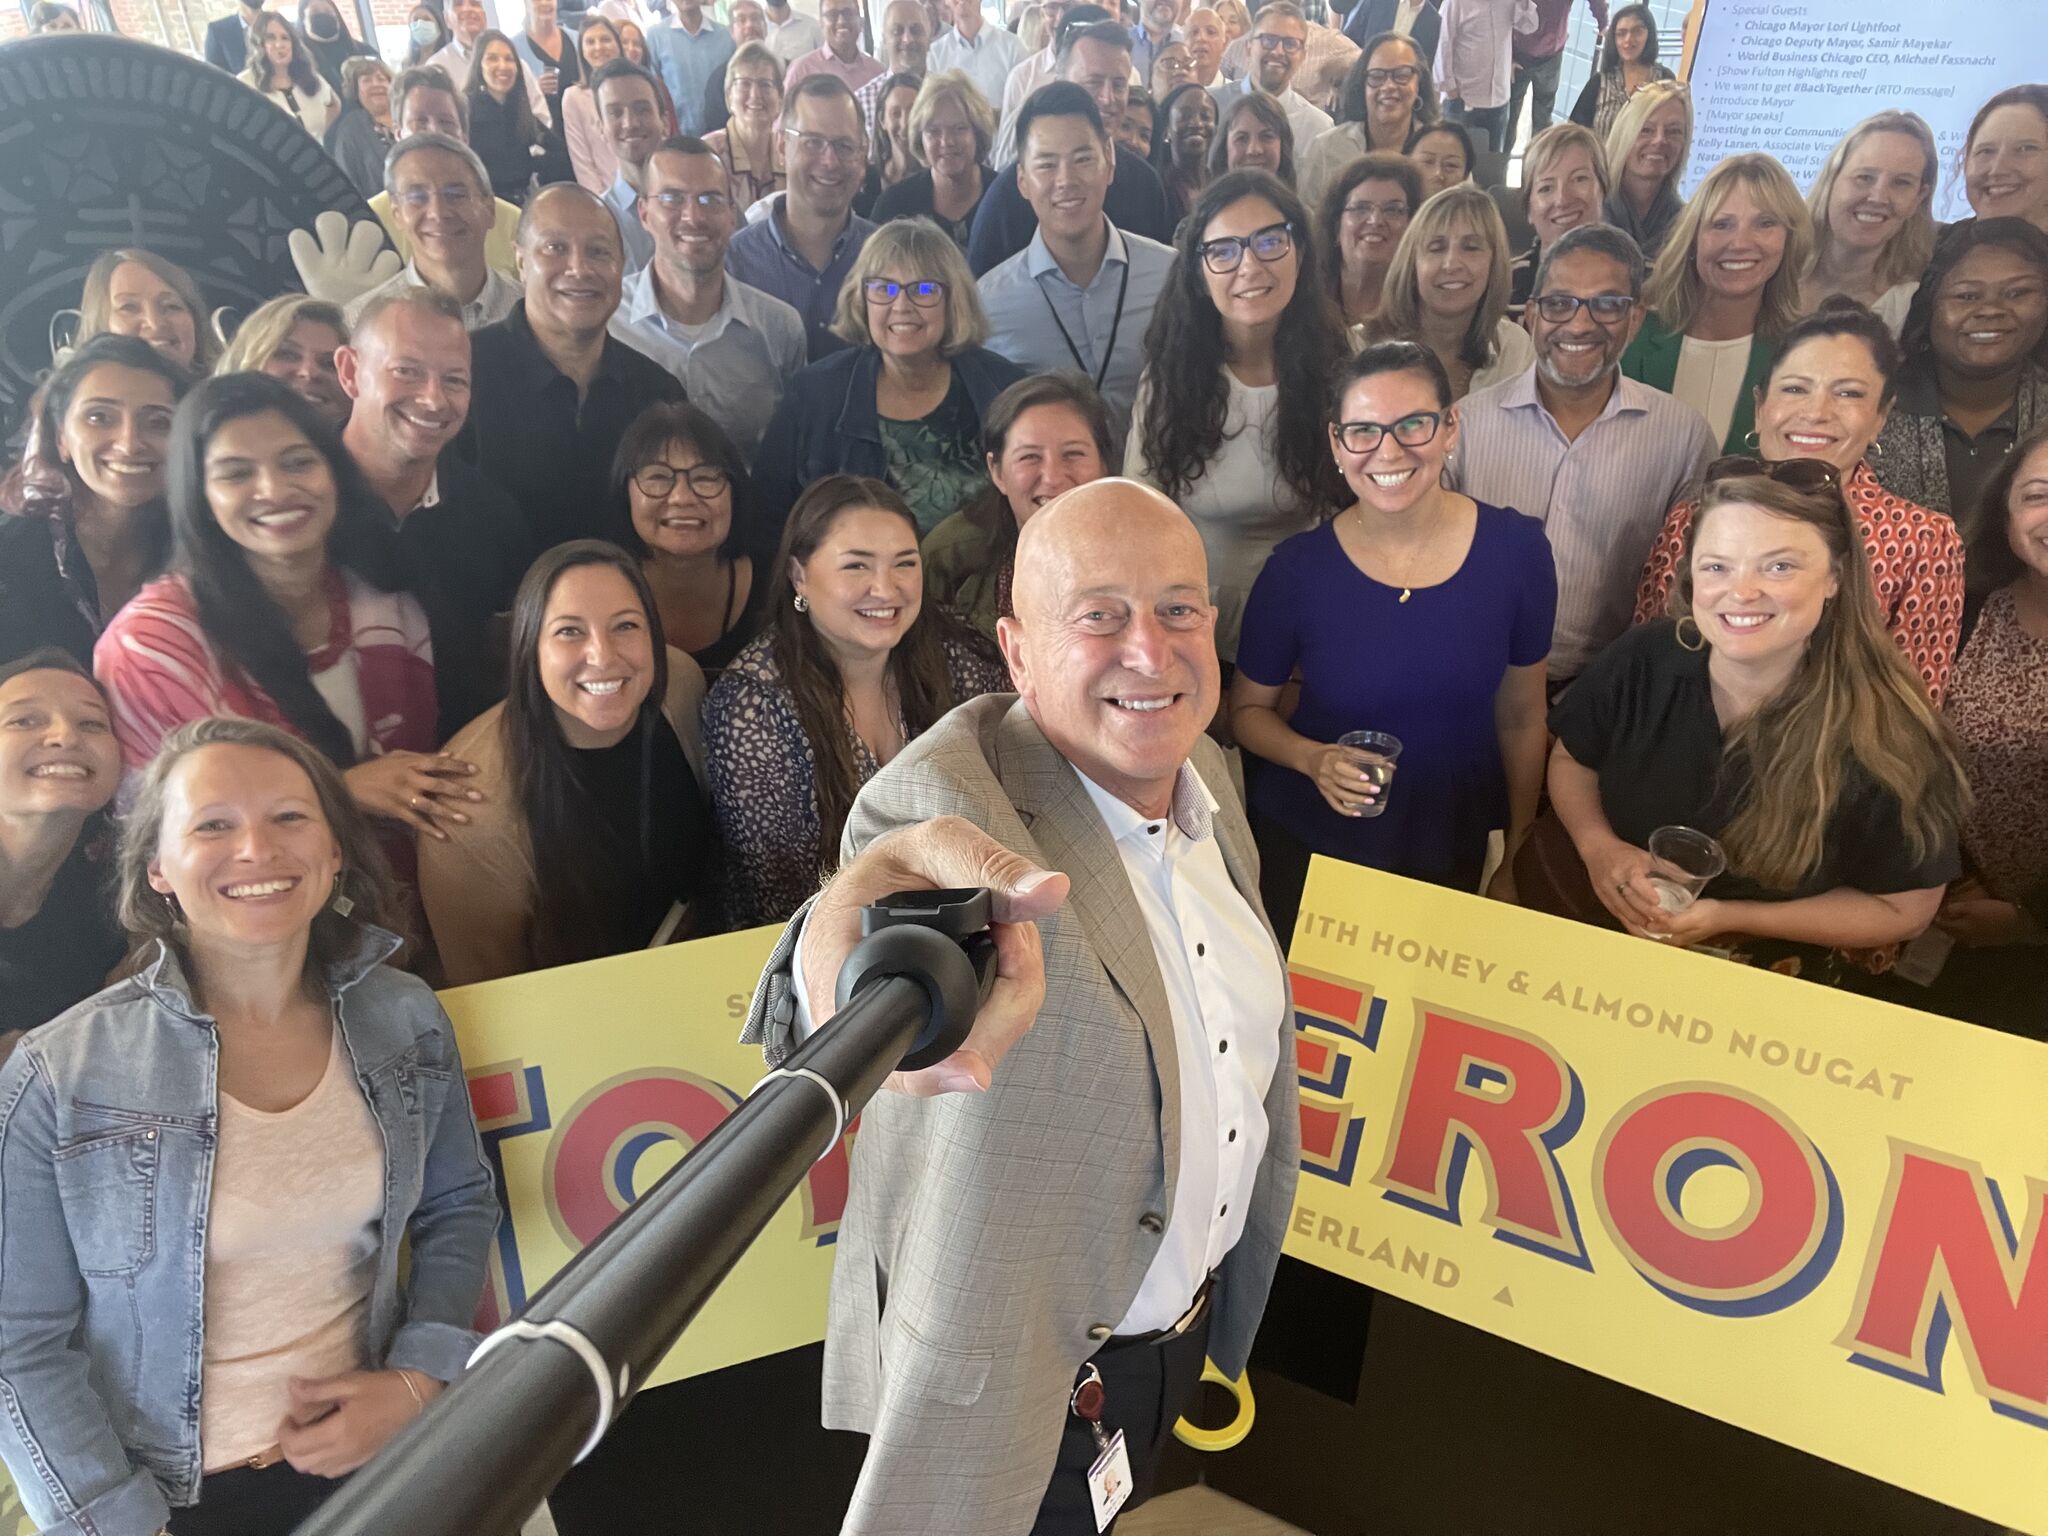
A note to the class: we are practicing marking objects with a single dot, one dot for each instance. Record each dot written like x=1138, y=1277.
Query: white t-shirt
x=1709, y=379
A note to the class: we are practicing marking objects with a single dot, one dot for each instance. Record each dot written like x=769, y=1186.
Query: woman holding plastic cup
x=1775, y=715
x=1418, y=614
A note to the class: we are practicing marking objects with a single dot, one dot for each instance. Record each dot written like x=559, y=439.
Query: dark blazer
x=828, y=423
x=1653, y=358
x=1369, y=18
x=227, y=42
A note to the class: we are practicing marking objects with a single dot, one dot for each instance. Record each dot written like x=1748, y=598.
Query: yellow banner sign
x=1814, y=1216
x=589, y=1083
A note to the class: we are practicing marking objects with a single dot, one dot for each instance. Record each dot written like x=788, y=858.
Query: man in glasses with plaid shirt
x=1279, y=45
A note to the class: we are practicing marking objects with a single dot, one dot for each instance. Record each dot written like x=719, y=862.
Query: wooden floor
x=1202, y=1512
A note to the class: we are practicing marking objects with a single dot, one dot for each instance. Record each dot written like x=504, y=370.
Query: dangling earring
x=1698, y=642
x=341, y=905
x=801, y=603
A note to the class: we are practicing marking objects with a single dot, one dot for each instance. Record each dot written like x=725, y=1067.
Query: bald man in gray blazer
x=1108, y=1198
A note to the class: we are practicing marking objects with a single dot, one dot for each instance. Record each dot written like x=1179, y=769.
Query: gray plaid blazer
x=986, y=1235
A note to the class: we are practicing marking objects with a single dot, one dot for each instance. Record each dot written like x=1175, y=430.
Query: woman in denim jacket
x=207, y=1170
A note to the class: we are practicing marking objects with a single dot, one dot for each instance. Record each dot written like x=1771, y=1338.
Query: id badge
x=1109, y=1481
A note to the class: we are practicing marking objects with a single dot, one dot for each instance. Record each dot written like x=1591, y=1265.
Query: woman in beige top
x=594, y=836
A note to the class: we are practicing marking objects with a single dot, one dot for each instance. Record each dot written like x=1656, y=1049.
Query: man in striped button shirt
x=1598, y=458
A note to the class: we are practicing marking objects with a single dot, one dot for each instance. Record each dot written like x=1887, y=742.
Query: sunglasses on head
x=1800, y=474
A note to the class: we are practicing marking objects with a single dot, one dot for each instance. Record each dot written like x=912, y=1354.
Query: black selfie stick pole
x=544, y=1388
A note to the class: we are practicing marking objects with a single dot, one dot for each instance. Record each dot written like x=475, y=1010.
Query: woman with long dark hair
x=329, y=40
x=597, y=837
x=1628, y=62
x=518, y=147
x=590, y=151
x=1044, y=436
x=854, y=666
x=1229, y=415
x=282, y=68
x=87, y=524
x=1359, y=227
x=1253, y=134
x=426, y=34
x=287, y=603
x=687, y=505
x=1774, y=714
x=215, y=1166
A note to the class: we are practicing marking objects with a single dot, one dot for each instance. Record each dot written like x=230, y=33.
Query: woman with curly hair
x=1229, y=415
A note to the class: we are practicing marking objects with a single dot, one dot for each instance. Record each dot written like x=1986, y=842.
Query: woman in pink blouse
x=287, y=603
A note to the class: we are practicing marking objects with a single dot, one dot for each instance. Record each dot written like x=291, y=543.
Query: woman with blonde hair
x=1873, y=217
x=951, y=129
x=748, y=143
x=906, y=401
x=1646, y=153
x=293, y=339
x=133, y=292
x=1447, y=288
x=1564, y=182
x=1237, y=21
x=1773, y=713
x=1724, y=293
x=1032, y=30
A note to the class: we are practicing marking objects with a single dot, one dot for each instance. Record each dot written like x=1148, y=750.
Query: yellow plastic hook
x=1230, y=1435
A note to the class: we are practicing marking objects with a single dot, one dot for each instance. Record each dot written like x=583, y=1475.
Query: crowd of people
x=555, y=594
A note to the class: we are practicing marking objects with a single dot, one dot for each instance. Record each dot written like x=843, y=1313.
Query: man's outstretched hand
x=945, y=852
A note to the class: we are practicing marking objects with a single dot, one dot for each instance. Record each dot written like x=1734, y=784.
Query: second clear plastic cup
x=1682, y=861
x=1380, y=751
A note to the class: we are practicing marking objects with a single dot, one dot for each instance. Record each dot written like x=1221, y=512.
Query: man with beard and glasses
x=1597, y=458
x=1279, y=44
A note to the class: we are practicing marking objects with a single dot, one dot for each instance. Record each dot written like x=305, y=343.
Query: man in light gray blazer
x=1109, y=1197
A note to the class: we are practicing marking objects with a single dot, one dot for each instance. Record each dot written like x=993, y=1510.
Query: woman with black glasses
x=1228, y=420
x=1419, y=613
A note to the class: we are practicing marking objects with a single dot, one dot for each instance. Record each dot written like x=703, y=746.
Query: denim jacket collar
x=165, y=981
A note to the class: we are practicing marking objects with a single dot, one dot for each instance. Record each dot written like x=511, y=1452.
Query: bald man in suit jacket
x=1115, y=1198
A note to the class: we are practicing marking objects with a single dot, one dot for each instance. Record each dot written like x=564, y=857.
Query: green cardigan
x=1653, y=358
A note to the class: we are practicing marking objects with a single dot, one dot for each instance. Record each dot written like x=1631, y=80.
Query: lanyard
x=1116, y=324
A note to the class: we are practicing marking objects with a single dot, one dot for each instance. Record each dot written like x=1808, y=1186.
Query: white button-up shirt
x=1226, y=995
x=1474, y=49
x=734, y=367
x=986, y=59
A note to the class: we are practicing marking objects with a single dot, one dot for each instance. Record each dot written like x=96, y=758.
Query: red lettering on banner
x=1485, y=1088
x=1772, y=1254
x=589, y=1176
x=1945, y=1257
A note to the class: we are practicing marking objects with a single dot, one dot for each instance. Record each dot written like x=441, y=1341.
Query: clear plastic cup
x=1378, y=753
x=1682, y=861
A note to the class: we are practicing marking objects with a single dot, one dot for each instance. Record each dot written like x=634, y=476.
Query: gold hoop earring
x=1699, y=642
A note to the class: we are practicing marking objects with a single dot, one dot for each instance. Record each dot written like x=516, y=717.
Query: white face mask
x=425, y=33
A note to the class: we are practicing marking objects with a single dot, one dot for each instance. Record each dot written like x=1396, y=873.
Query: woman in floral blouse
x=1827, y=396
x=853, y=666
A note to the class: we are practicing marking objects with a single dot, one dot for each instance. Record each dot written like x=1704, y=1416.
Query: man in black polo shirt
x=554, y=392
x=407, y=368
x=1097, y=57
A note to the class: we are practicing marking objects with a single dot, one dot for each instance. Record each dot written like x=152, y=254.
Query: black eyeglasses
x=1226, y=253
x=1607, y=308
x=1402, y=75
x=657, y=480
x=1800, y=474
x=675, y=200
x=1272, y=40
x=1362, y=437
x=925, y=295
